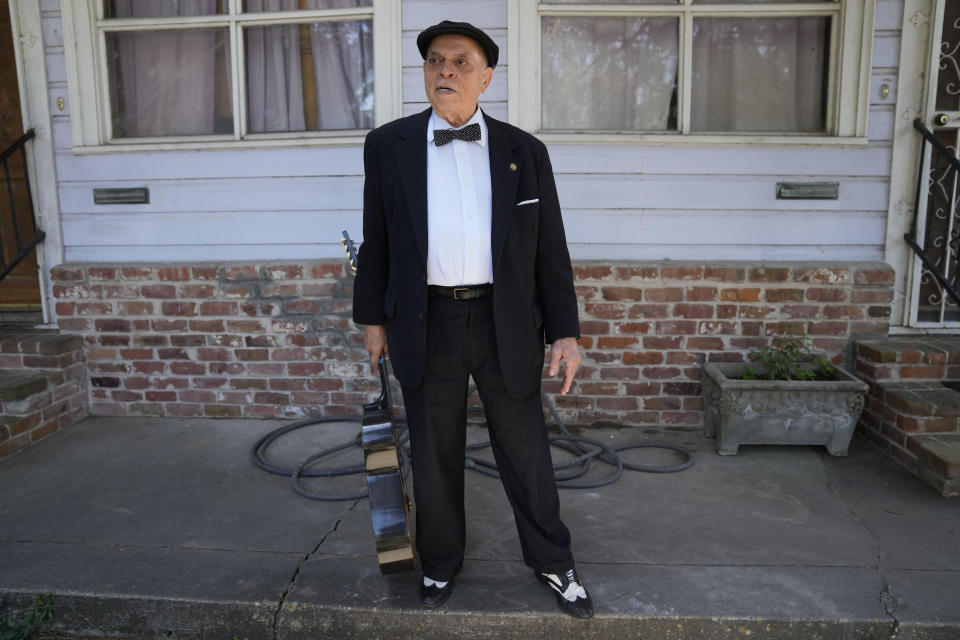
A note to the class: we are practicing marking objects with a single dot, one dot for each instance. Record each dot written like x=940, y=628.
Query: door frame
x=29, y=54
x=916, y=81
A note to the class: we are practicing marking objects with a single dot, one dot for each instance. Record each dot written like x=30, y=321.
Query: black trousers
x=461, y=343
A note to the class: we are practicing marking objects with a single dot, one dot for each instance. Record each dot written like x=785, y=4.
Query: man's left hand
x=567, y=350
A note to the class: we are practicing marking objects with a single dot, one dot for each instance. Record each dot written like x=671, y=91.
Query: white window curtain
x=608, y=73
x=158, y=9
x=342, y=56
x=343, y=65
x=164, y=82
x=759, y=74
x=620, y=74
x=274, y=81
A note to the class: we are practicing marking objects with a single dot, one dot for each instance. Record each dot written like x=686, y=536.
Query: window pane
x=615, y=74
x=165, y=83
x=310, y=76
x=165, y=9
x=746, y=1
x=615, y=1
x=760, y=74
x=260, y=6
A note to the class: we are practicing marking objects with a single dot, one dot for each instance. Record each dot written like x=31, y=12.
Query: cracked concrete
x=916, y=541
x=296, y=573
x=889, y=601
x=161, y=528
x=890, y=604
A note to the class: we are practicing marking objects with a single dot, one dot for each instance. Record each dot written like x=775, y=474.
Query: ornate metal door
x=938, y=197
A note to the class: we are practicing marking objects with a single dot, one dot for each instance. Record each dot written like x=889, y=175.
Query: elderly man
x=464, y=271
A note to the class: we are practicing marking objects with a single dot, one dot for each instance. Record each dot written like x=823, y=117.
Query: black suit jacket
x=533, y=293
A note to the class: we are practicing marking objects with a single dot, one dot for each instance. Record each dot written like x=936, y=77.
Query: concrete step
x=911, y=350
x=18, y=385
x=44, y=342
x=912, y=411
x=157, y=528
x=940, y=456
x=42, y=385
x=923, y=400
x=22, y=392
x=23, y=317
x=918, y=425
x=910, y=358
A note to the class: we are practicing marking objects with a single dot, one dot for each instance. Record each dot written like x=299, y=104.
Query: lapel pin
x=513, y=166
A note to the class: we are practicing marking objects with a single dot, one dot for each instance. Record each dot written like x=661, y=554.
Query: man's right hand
x=375, y=342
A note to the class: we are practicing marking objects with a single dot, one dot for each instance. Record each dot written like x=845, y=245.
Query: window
x=183, y=73
x=691, y=70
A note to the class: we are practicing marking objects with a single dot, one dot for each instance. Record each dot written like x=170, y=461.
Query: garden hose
x=565, y=472
x=578, y=466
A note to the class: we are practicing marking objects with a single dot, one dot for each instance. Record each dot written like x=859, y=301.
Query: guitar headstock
x=350, y=250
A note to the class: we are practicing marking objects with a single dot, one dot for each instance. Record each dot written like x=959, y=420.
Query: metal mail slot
x=136, y=195
x=808, y=190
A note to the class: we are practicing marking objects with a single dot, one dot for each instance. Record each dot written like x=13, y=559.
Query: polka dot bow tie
x=469, y=133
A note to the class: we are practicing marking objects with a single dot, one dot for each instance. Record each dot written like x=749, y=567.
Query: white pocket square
x=527, y=202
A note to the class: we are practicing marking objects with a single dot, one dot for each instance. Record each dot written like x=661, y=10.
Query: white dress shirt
x=459, y=205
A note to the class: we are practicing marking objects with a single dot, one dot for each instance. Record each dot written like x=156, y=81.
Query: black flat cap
x=490, y=48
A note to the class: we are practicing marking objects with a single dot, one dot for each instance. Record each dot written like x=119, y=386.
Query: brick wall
x=911, y=413
x=907, y=402
x=276, y=339
x=42, y=387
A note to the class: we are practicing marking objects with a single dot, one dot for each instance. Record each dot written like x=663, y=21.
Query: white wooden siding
x=620, y=201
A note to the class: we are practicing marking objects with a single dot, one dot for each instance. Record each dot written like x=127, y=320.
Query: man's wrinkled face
x=455, y=73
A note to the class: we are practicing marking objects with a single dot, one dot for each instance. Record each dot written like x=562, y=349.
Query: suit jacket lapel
x=411, y=157
x=505, y=170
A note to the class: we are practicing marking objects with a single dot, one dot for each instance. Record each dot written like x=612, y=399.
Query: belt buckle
x=456, y=289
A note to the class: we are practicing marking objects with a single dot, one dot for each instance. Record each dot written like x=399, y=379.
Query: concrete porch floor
x=162, y=528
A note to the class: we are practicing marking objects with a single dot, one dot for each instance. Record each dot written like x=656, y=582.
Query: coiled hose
x=566, y=472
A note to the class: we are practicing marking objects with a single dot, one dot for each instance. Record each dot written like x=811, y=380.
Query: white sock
x=427, y=582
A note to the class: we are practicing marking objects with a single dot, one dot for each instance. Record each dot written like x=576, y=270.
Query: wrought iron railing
x=26, y=240
x=938, y=182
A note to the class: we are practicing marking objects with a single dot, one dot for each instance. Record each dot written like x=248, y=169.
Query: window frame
x=848, y=99
x=84, y=32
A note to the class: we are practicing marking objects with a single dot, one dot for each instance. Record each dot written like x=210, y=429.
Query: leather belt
x=466, y=292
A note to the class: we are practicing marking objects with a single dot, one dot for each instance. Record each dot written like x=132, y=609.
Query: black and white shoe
x=571, y=596
x=434, y=593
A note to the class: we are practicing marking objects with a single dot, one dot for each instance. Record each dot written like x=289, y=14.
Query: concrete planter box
x=779, y=411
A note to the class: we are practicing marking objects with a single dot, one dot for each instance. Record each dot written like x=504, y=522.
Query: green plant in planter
x=799, y=400
x=789, y=358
